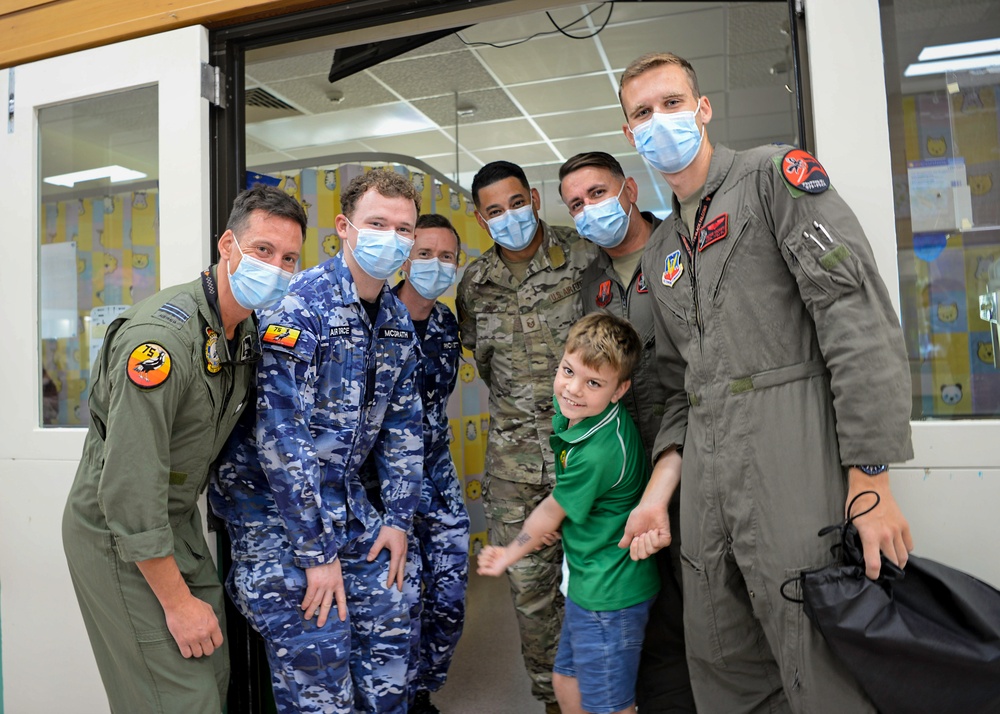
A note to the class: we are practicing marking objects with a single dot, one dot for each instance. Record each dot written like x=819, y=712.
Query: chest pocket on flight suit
x=825, y=270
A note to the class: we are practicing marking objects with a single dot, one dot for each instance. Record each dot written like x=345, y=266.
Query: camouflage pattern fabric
x=331, y=389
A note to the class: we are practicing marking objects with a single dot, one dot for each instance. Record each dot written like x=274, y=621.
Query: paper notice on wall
x=940, y=198
x=57, y=275
x=100, y=319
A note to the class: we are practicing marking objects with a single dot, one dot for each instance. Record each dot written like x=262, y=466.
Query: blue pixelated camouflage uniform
x=330, y=389
x=438, y=555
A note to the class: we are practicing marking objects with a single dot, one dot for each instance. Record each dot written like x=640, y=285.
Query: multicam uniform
x=331, y=388
x=784, y=362
x=664, y=684
x=516, y=332
x=165, y=393
x=438, y=555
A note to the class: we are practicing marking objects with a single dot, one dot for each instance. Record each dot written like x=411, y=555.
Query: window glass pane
x=98, y=235
x=943, y=81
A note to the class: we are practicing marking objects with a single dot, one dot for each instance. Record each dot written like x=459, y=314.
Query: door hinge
x=10, y=100
x=213, y=85
x=800, y=7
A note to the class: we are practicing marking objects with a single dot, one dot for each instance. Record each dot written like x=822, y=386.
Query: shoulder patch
x=803, y=171
x=281, y=335
x=148, y=365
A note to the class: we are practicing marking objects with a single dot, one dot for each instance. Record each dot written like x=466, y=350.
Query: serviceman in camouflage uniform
x=516, y=304
x=336, y=382
x=787, y=387
x=169, y=383
x=438, y=569
x=602, y=202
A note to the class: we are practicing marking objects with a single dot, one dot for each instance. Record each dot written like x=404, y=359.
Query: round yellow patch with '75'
x=148, y=365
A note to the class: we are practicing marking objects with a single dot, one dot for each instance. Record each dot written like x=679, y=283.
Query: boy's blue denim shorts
x=601, y=650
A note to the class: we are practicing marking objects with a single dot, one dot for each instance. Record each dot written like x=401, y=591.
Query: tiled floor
x=487, y=675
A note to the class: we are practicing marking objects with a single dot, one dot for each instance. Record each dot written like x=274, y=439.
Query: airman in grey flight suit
x=171, y=381
x=787, y=390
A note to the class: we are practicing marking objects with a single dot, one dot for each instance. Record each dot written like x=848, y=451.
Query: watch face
x=874, y=470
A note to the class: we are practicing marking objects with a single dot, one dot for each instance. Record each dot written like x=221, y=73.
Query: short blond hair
x=386, y=182
x=601, y=338
x=657, y=59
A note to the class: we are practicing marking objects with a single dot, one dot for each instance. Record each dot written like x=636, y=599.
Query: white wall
x=950, y=490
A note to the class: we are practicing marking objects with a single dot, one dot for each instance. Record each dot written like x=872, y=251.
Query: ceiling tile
x=520, y=155
x=314, y=63
x=435, y=75
x=419, y=144
x=543, y=58
x=448, y=43
x=754, y=69
x=765, y=128
x=490, y=104
x=613, y=144
x=312, y=94
x=691, y=35
x=581, y=123
x=565, y=94
x=759, y=100
x=632, y=11
x=757, y=26
x=496, y=133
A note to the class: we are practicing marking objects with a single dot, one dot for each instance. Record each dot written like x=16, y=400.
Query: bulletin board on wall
x=111, y=244
x=318, y=190
x=948, y=210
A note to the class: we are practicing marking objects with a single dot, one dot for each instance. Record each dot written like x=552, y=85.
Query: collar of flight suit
x=211, y=314
x=551, y=255
x=722, y=161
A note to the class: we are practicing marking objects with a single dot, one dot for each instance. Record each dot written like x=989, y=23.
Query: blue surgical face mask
x=257, y=284
x=604, y=223
x=430, y=277
x=669, y=142
x=514, y=229
x=380, y=253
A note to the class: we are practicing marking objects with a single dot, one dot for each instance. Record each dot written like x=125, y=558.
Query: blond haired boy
x=601, y=471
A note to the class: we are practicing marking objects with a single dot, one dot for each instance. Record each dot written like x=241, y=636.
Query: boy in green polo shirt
x=601, y=472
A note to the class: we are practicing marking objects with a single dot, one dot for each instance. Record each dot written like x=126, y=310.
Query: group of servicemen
x=773, y=383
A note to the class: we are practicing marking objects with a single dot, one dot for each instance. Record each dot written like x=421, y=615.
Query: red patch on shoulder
x=804, y=172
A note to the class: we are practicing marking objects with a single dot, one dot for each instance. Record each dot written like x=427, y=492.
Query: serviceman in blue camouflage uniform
x=337, y=381
x=170, y=382
x=516, y=304
x=438, y=569
x=602, y=201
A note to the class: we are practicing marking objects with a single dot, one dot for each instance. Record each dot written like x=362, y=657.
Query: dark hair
x=598, y=159
x=436, y=220
x=385, y=182
x=656, y=59
x=268, y=199
x=496, y=171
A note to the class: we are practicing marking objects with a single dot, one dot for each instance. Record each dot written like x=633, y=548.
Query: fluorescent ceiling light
x=340, y=126
x=959, y=49
x=952, y=65
x=115, y=173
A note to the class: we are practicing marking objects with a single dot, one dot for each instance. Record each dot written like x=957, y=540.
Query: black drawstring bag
x=923, y=640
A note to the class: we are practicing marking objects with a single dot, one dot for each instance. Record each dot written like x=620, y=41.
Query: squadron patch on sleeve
x=148, y=365
x=281, y=335
x=801, y=170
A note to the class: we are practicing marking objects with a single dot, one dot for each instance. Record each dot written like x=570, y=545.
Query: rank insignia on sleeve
x=604, y=294
x=281, y=335
x=803, y=171
x=672, y=269
x=715, y=231
x=213, y=365
x=640, y=284
x=148, y=365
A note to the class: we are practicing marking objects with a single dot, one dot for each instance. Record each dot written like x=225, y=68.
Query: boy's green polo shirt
x=601, y=471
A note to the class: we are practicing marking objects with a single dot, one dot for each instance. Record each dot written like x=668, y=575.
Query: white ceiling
x=535, y=103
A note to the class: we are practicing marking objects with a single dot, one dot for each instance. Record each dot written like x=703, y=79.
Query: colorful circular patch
x=213, y=365
x=148, y=365
x=804, y=172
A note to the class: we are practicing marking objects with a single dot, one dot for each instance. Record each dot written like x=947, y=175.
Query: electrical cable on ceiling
x=562, y=30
